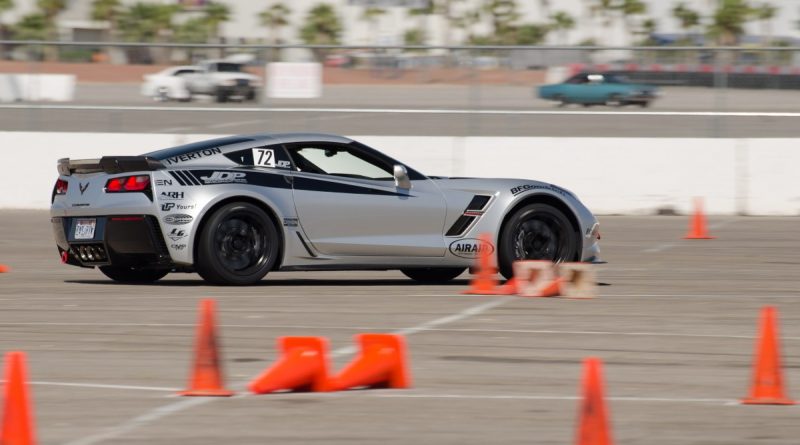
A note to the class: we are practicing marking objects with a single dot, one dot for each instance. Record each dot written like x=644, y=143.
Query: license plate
x=84, y=228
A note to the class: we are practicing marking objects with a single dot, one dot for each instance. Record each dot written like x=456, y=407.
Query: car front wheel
x=433, y=275
x=238, y=245
x=536, y=232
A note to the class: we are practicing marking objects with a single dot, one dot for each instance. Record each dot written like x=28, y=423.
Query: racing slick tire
x=433, y=275
x=221, y=96
x=133, y=275
x=238, y=245
x=536, y=232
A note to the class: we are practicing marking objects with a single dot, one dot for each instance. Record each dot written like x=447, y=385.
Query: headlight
x=228, y=83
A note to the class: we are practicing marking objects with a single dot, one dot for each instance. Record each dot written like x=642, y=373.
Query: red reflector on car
x=127, y=218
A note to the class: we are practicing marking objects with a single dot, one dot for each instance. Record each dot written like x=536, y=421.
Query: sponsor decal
x=225, y=178
x=178, y=246
x=175, y=196
x=163, y=182
x=470, y=247
x=178, y=219
x=283, y=164
x=168, y=206
x=290, y=222
x=524, y=188
x=176, y=234
x=192, y=156
x=83, y=187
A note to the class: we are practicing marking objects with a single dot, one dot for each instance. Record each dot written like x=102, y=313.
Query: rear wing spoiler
x=108, y=164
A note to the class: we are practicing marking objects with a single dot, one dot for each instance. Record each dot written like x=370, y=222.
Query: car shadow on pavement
x=273, y=283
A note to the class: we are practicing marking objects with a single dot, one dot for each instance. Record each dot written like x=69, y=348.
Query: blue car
x=599, y=89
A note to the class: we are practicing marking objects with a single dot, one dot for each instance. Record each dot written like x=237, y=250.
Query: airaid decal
x=225, y=178
x=192, y=156
x=178, y=219
x=470, y=247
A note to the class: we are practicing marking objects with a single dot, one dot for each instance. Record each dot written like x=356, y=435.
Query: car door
x=348, y=204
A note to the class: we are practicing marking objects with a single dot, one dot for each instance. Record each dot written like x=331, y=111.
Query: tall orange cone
x=593, y=426
x=382, y=363
x=17, y=428
x=697, y=225
x=303, y=366
x=485, y=280
x=767, y=386
x=4, y=268
x=206, y=377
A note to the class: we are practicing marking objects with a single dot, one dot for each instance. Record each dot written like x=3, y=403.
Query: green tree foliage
x=729, y=20
x=414, y=36
x=147, y=22
x=31, y=27
x=764, y=13
x=106, y=10
x=687, y=17
x=274, y=18
x=503, y=17
x=562, y=22
x=215, y=14
x=322, y=26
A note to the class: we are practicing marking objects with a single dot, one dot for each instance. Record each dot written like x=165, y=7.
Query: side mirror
x=401, y=177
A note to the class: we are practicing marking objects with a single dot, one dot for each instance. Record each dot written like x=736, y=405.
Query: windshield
x=229, y=68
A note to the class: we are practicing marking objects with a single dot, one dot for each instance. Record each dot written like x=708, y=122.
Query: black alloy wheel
x=537, y=232
x=238, y=245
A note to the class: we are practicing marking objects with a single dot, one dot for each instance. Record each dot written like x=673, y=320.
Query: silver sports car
x=234, y=208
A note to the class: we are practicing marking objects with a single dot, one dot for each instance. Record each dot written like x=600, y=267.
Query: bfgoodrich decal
x=470, y=247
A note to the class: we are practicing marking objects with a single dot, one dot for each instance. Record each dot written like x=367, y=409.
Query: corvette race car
x=234, y=208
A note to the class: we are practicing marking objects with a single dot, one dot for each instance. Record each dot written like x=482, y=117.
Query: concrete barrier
x=37, y=87
x=611, y=175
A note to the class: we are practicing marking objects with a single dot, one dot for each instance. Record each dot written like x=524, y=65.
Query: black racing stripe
x=185, y=177
x=316, y=185
x=192, y=177
x=177, y=178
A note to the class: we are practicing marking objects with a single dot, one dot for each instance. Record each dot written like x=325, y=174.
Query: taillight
x=140, y=183
x=61, y=187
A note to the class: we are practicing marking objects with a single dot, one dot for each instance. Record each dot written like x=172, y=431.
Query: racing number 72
x=264, y=157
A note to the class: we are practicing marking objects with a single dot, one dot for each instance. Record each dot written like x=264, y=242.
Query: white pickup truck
x=222, y=79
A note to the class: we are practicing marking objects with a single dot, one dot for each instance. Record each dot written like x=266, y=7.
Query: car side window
x=183, y=72
x=337, y=160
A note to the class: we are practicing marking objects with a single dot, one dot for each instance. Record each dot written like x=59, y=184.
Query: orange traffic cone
x=381, y=364
x=4, y=268
x=697, y=225
x=17, y=428
x=767, y=387
x=536, y=278
x=593, y=426
x=206, y=372
x=302, y=367
x=485, y=281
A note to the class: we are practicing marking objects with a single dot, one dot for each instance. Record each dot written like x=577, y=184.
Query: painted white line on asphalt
x=104, y=386
x=184, y=404
x=403, y=111
x=400, y=395
x=669, y=245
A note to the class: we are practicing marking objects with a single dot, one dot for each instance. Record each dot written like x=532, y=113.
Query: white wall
x=611, y=175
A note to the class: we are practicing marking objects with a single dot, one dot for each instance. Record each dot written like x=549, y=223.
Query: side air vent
x=460, y=225
x=478, y=203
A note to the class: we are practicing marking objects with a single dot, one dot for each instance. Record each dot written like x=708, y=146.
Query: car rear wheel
x=238, y=245
x=133, y=275
x=615, y=100
x=536, y=232
x=433, y=275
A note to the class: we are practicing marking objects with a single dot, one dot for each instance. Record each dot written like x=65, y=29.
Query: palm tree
x=562, y=22
x=688, y=18
x=373, y=16
x=322, y=27
x=764, y=13
x=5, y=5
x=629, y=10
x=216, y=14
x=50, y=9
x=274, y=18
x=729, y=20
x=148, y=22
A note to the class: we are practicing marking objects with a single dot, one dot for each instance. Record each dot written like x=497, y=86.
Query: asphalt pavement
x=675, y=326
